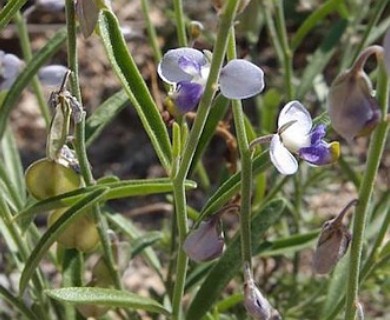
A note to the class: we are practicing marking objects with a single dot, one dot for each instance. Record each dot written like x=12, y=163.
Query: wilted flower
x=88, y=14
x=333, y=242
x=187, y=70
x=206, y=242
x=352, y=109
x=255, y=303
x=10, y=67
x=297, y=136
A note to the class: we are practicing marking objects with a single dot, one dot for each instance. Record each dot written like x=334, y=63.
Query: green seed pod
x=92, y=310
x=82, y=234
x=46, y=178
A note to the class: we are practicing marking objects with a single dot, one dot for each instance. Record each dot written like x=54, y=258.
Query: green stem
x=180, y=23
x=79, y=144
x=365, y=192
x=227, y=18
x=27, y=53
x=246, y=166
x=287, y=53
x=152, y=37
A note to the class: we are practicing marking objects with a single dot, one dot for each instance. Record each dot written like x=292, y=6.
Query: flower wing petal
x=282, y=159
x=295, y=111
x=241, y=79
x=169, y=68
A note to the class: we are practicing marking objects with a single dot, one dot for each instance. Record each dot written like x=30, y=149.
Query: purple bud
x=206, y=242
x=255, y=303
x=333, y=243
x=352, y=109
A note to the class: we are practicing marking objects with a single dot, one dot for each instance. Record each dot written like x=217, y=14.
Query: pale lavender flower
x=53, y=75
x=297, y=136
x=10, y=67
x=187, y=70
x=206, y=242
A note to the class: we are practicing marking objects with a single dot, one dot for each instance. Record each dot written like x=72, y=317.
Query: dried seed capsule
x=333, y=243
x=81, y=234
x=46, y=178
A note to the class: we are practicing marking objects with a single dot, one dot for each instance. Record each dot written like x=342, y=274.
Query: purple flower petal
x=317, y=134
x=317, y=154
x=241, y=79
x=52, y=75
x=169, y=69
x=189, y=66
x=10, y=67
x=188, y=95
x=282, y=159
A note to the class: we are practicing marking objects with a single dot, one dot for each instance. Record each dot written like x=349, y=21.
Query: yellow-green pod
x=82, y=234
x=46, y=178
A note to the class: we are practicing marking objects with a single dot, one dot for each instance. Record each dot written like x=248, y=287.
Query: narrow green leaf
x=131, y=231
x=17, y=304
x=106, y=297
x=290, y=244
x=117, y=190
x=231, y=186
x=217, y=112
x=50, y=236
x=313, y=19
x=321, y=57
x=9, y=11
x=144, y=241
x=134, y=85
x=230, y=263
x=124, y=189
x=13, y=165
x=38, y=60
x=103, y=115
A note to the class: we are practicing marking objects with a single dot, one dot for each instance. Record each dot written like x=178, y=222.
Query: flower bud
x=196, y=29
x=46, y=178
x=81, y=234
x=88, y=14
x=206, y=242
x=333, y=243
x=255, y=303
x=352, y=109
x=53, y=75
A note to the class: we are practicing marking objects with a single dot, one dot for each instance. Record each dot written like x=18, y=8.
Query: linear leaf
x=50, y=236
x=17, y=304
x=9, y=11
x=134, y=85
x=106, y=297
x=103, y=115
x=230, y=263
x=24, y=78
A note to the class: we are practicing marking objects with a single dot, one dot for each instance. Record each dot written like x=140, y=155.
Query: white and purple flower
x=187, y=70
x=297, y=136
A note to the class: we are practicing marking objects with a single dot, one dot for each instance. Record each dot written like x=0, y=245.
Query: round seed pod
x=82, y=234
x=46, y=178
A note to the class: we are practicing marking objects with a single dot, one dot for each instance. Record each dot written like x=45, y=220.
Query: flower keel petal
x=188, y=95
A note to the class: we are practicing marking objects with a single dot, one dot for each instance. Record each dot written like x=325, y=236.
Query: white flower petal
x=294, y=110
x=296, y=134
x=241, y=79
x=52, y=75
x=169, y=70
x=282, y=159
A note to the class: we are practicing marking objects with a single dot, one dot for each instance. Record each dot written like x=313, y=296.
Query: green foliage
x=275, y=221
